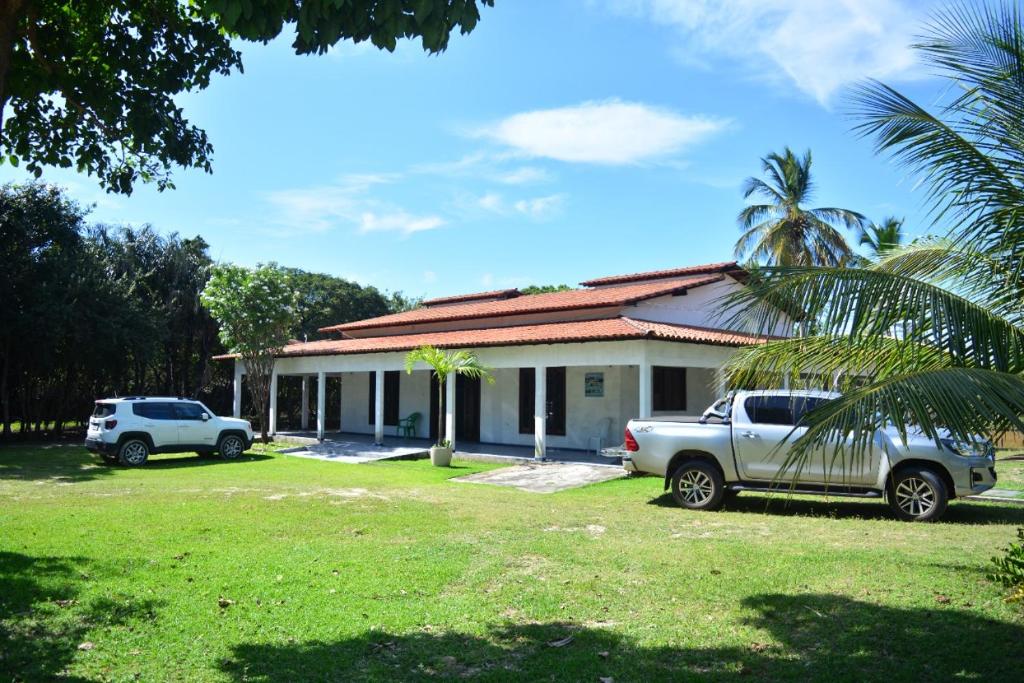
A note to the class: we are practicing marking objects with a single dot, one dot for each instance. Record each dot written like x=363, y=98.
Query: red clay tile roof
x=607, y=329
x=724, y=267
x=533, y=303
x=459, y=298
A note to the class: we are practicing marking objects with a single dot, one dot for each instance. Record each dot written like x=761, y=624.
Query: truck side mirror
x=204, y=416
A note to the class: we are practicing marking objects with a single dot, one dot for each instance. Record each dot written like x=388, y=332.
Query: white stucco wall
x=413, y=396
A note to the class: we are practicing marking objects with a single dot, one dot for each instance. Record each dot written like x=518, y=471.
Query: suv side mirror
x=204, y=416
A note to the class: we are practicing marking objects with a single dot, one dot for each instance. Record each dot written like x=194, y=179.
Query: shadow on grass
x=805, y=637
x=73, y=464
x=43, y=623
x=784, y=505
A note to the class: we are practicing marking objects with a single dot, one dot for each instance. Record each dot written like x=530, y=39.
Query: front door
x=193, y=430
x=467, y=406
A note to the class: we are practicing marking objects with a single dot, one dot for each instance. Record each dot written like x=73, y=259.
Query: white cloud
x=429, y=276
x=325, y=207
x=608, y=132
x=522, y=175
x=540, y=207
x=492, y=201
x=397, y=221
x=818, y=46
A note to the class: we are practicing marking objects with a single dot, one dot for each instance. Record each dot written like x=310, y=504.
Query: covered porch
x=547, y=400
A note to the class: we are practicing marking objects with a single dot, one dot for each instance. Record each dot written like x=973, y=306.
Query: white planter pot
x=440, y=456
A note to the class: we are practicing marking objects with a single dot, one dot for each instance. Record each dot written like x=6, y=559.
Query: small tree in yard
x=444, y=363
x=255, y=308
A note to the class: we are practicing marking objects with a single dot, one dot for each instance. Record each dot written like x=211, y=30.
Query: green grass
x=277, y=568
x=1010, y=468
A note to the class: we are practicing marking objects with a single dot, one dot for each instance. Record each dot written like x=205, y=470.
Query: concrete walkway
x=359, y=448
x=544, y=478
x=1001, y=496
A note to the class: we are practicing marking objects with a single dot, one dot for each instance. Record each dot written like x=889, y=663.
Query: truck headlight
x=968, y=449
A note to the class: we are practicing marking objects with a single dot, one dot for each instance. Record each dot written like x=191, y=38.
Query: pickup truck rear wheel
x=917, y=494
x=697, y=485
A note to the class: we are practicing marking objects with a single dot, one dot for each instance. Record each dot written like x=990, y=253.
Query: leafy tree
x=445, y=363
x=544, y=289
x=92, y=84
x=782, y=232
x=256, y=309
x=882, y=238
x=934, y=332
x=327, y=300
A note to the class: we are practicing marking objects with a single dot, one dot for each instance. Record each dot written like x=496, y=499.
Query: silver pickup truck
x=739, y=444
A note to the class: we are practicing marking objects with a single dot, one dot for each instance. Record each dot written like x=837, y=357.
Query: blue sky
x=561, y=140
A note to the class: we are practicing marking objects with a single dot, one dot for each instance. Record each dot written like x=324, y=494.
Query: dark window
x=188, y=411
x=104, y=409
x=391, y=384
x=555, y=400
x=781, y=410
x=154, y=411
x=669, y=388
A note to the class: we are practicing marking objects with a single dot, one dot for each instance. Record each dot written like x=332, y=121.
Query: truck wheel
x=231, y=446
x=917, y=494
x=697, y=485
x=133, y=453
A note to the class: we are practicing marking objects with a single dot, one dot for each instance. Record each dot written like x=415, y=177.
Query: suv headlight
x=969, y=449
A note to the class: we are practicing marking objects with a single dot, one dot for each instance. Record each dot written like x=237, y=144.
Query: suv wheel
x=133, y=453
x=917, y=494
x=231, y=446
x=697, y=485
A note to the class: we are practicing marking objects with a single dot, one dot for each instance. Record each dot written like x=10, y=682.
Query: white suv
x=127, y=430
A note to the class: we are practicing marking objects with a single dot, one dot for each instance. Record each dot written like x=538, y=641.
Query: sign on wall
x=593, y=385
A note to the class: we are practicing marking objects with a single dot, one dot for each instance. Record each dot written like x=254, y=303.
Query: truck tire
x=916, y=494
x=696, y=485
x=231, y=446
x=133, y=453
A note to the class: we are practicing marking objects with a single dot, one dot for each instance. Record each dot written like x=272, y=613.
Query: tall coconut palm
x=782, y=232
x=933, y=332
x=445, y=363
x=882, y=238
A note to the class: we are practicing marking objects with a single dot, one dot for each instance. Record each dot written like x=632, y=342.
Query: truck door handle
x=748, y=435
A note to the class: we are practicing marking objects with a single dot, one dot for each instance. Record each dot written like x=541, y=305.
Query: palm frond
x=865, y=302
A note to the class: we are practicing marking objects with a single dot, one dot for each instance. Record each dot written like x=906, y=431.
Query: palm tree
x=445, y=363
x=782, y=232
x=882, y=238
x=935, y=330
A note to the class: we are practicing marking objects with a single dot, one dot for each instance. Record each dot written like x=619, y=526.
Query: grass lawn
x=1010, y=468
x=278, y=568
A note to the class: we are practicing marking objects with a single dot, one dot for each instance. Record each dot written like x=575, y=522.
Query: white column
x=721, y=384
x=540, y=412
x=321, y=404
x=449, y=412
x=305, y=403
x=341, y=404
x=646, y=390
x=236, y=401
x=378, y=409
x=272, y=422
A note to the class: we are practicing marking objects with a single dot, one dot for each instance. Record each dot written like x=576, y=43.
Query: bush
x=1010, y=569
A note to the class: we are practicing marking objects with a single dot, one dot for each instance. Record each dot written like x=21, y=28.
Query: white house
x=569, y=367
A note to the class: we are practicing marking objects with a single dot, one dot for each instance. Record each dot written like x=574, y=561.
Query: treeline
x=91, y=311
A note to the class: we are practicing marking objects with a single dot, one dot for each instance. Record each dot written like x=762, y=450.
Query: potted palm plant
x=444, y=363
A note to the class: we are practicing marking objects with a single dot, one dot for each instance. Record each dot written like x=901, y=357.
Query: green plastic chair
x=407, y=425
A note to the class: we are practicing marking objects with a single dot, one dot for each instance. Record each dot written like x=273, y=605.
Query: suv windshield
x=104, y=410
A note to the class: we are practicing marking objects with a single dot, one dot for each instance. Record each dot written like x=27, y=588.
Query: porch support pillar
x=236, y=401
x=646, y=390
x=540, y=412
x=305, y=403
x=378, y=408
x=272, y=422
x=721, y=385
x=321, y=403
x=341, y=404
x=449, y=409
